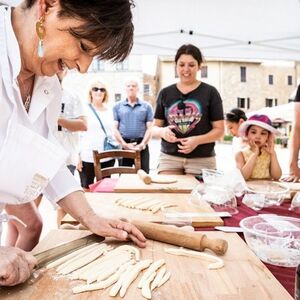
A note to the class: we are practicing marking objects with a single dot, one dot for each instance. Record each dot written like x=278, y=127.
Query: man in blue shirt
x=133, y=121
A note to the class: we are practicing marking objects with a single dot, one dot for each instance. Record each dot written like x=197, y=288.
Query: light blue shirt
x=133, y=119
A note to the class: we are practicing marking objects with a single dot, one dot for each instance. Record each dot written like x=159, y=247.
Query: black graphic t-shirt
x=191, y=114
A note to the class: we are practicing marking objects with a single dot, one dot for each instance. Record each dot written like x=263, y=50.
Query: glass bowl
x=274, y=239
x=274, y=193
x=212, y=177
x=219, y=198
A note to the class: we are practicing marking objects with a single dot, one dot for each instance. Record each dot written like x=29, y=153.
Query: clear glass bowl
x=274, y=239
x=219, y=198
x=274, y=192
x=212, y=177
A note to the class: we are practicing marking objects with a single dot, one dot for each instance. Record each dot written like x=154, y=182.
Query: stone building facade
x=250, y=85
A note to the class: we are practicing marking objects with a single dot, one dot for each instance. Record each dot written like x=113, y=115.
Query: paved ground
x=225, y=161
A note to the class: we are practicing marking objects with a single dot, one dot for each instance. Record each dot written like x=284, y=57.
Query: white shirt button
x=46, y=92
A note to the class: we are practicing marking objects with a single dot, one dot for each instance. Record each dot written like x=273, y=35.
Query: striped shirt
x=133, y=119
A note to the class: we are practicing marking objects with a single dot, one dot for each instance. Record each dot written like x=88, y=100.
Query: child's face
x=258, y=135
x=233, y=127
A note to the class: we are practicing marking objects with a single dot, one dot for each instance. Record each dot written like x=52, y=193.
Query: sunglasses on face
x=96, y=89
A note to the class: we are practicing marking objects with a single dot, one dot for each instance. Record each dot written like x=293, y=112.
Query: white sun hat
x=258, y=120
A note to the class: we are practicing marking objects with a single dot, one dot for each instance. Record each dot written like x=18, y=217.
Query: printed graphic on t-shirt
x=185, y=114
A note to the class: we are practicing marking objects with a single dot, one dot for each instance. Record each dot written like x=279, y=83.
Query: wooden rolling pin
x=176, y=236
x=144, y=176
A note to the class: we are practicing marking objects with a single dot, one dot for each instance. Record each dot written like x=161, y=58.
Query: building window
x=290, y=80
x=122, y=66
x=204, y=72
x=118, y=97
x=241, y=102
x=248, y=103
x=101, y=65
x=271, y=79
x=97, y=65
x=147, y=89
x=243, y=74
x=269, y=102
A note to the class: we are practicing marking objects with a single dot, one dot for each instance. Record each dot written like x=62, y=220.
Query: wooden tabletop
x=132, y=183
x=104, y=204
x=244, y=276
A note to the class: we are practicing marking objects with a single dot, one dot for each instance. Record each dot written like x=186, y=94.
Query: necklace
x=25, y=92
x=27, y=102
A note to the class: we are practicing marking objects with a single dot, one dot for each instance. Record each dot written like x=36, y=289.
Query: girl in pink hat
x=259, y=159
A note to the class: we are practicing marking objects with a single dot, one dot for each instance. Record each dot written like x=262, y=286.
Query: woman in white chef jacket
x=39, y=38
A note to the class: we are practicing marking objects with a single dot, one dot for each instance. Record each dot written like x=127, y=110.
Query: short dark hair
x=192, y=50
x=108, y=25
x=235, y=115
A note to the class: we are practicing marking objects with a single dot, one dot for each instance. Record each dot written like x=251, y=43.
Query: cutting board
x=132, y=183
x=103, y=204
x=244, y=276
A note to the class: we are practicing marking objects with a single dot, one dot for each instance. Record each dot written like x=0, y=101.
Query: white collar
x=12, y=45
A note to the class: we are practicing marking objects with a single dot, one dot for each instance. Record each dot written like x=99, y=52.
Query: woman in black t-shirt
x=188, y=118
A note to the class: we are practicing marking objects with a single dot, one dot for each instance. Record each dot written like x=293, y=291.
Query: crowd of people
x=188, y=118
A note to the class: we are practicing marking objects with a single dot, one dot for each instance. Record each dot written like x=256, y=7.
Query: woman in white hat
x=259, y=159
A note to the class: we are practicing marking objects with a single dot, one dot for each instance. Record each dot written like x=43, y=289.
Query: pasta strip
x=129, y=278
x=61, y=260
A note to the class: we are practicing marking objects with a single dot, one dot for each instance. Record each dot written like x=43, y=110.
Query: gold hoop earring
x=40, y=31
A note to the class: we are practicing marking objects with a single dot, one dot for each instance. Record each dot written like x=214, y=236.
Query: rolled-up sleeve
x=62, y=184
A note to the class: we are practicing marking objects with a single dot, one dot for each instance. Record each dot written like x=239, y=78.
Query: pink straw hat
x=258, y=120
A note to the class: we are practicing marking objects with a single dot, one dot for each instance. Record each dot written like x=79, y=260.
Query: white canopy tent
x=227, y=29
x=284, y=112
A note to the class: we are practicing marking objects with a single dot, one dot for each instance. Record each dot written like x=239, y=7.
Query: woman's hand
x=118, y=229
x=168, y=135
x=187, y=145
x=77, y=206
x=15, y=265
x=292, y=177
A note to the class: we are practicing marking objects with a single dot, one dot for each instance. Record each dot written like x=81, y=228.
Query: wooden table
x=103, y=204
x=132, y=183
x=243, y=277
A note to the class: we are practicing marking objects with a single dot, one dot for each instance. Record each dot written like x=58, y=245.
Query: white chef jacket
x=44, y=153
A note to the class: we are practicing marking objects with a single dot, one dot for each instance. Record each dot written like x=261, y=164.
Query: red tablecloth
x=286, y=276
x=105, y=185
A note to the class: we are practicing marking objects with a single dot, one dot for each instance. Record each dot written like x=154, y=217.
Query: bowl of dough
x=273, y=193
x=274, y=239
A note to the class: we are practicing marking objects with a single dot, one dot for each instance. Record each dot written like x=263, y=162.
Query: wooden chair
x=100, y=173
